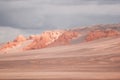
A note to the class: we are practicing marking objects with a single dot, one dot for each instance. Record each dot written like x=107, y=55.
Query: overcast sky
x=34, y=16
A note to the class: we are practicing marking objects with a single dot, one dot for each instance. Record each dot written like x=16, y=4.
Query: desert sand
x=94, y=60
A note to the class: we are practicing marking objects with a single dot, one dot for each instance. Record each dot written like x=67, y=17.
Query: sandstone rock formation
x=65, y=38
x=19, y=39
x=44, y=39
x=97, y=34
x=61, y=37
x=49, y=38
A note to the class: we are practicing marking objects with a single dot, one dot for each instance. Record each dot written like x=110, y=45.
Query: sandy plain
x=95, y=60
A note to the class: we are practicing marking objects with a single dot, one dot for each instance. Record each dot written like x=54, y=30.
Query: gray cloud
x=8, y=33
x=84, y=2
x=67, y=2
x=34, y=13
x=35, y=16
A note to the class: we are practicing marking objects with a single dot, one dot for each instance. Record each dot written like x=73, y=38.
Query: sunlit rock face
x=44, y=39
x=20, y=38
x=61, y=37
x=97, y=34
x=50, y=38
x=55, y=38
x=17, y=41
x=65, y=38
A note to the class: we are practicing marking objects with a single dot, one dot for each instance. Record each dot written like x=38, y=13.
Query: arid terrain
x=91, y=53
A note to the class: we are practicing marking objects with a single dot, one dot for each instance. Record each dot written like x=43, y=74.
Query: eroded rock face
x=55, y=38
x=97, y=34
x=49, y=38
x=32, y=37
x=19, y=39
x=65, y=38
x=44, y=39
x=38, y=41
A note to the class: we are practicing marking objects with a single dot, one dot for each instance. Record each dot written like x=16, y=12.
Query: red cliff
x=97, y=34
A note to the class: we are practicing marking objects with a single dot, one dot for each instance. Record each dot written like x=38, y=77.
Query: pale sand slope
x=96, y=60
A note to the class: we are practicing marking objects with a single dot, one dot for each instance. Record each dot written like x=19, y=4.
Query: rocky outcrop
x=44, y=39
x=60, y=37
x=18, y=40
x=97, y=34
x=50, y=38
x=65, y=38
